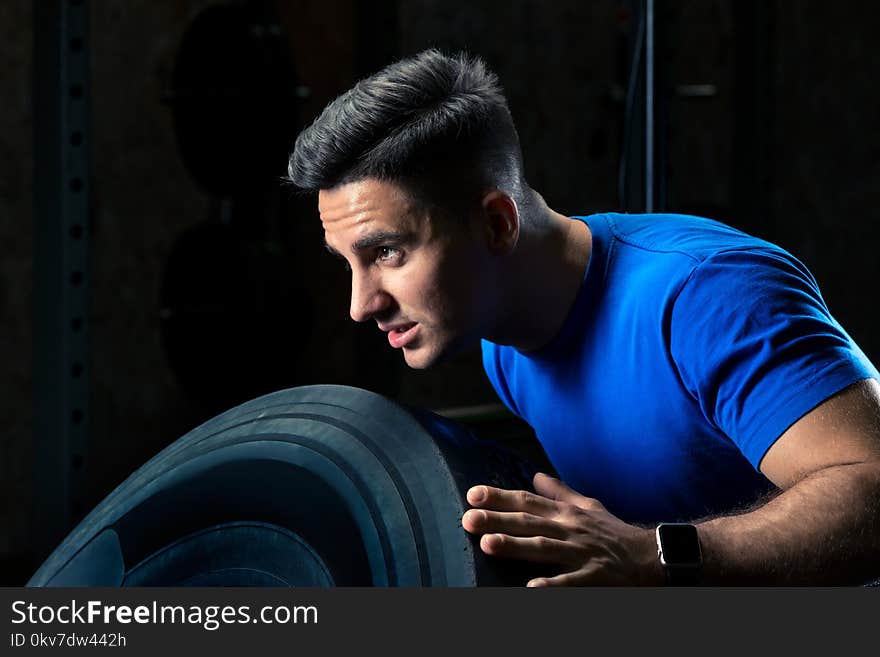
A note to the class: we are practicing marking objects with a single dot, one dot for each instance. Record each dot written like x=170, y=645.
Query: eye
x=388, y=254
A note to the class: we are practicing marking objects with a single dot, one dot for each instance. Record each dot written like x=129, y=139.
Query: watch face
x=680, y=544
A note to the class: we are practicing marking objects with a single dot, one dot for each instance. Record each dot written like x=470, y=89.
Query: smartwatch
x=678, y=547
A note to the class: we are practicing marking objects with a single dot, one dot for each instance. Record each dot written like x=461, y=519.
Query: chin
x=418, y=360
x=424, y=356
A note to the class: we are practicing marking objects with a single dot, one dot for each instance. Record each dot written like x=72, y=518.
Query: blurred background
x=155, y=272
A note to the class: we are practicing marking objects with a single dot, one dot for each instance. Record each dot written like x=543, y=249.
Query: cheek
x=427, y=294
x=415, y=290
x=444, y=289
x=459, y=288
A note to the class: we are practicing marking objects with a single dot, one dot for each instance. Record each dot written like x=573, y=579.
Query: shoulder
x=698, y=238
x=706, y=256
x=744, y=277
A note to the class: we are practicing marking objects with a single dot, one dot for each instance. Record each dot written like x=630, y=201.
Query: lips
x=400, y=335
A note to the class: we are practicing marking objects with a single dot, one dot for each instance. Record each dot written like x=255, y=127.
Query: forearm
x=825, y=529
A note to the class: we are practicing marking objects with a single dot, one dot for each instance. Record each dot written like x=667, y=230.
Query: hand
x=562, y=527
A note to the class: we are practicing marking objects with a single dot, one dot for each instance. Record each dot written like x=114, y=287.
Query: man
x=679, y=373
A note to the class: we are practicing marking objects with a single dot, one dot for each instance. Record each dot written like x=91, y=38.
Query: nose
x=368, y=299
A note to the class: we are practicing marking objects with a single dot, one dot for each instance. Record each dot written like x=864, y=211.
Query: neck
x=545, y=274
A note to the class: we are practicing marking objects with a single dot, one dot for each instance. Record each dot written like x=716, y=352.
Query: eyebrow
x=379, y=238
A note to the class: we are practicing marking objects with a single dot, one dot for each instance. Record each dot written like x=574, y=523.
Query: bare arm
x=823, y=528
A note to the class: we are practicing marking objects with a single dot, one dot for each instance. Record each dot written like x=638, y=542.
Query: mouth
x=401, y=335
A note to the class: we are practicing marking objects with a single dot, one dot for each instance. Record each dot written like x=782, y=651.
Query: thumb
x=553, y=488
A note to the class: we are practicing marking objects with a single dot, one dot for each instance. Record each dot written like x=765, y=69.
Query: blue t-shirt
x=690, y=349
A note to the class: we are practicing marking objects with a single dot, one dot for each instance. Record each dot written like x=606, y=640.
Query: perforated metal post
x=61, y=282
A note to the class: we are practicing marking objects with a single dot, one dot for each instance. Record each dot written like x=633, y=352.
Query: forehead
x=365, y=205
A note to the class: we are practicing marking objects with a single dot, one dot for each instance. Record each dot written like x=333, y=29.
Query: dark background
x=769, y=122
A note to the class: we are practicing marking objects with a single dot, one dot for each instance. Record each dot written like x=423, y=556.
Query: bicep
x=844, y=429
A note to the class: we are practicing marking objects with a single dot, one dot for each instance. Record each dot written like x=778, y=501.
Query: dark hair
x=434, y=123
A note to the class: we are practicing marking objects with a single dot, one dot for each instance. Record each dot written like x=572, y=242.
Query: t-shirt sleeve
x=756, y=346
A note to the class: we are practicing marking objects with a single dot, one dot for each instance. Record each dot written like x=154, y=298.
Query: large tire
x=312, y=486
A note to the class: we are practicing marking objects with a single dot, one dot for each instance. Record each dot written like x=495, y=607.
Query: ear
x=501, y=222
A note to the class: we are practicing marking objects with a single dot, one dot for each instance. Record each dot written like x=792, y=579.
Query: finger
x=554, y=489
x=488, y=497
x=515, y=523
x=565, y=579
x=538, y=549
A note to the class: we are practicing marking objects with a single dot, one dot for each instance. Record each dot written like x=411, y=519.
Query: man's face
x=420, y=277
